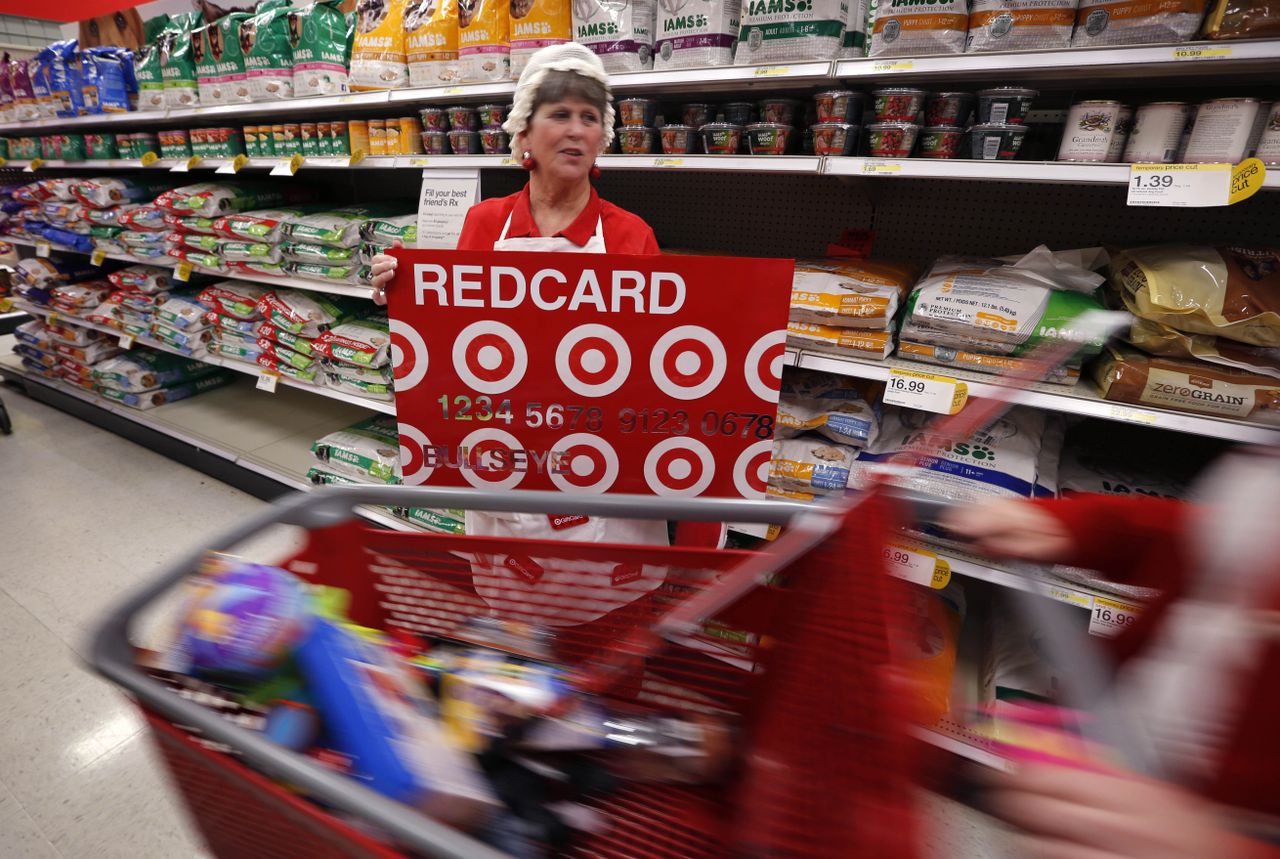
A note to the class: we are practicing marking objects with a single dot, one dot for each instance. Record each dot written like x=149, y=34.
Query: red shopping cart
x=789, y=646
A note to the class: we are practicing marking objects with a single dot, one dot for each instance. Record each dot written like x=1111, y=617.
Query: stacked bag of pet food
x=292, y=321
x=249, y=242
x=34, y=345
x=847, y=305
x=144, y=378
x=1206, y=337
x=326, y=245
x=64, y=81
x=987, y=314
x=231, y=311
x=206, y=235
x=105, y=201
x=140, y=291
x=34, y=279
x=355, y=356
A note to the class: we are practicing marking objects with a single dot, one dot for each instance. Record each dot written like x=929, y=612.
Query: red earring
x=527, y=162
x=595, y=171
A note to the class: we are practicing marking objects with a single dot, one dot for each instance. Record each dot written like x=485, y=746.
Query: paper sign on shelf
x=1111, y=617
x=126, y=341
x=185, y=166
x=587, y=373
x=43, y=249
x=289, y=166
x=233, y=166
x=1194, y=185
x=98, y=257
x=917, y=565
x=267, y=381
x=33, y=165
x=925, y=391
x=443, y=202
x=182, y=271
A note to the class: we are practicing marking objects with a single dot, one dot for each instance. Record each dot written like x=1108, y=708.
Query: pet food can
x=1089, y=130
x=637, y=140
x=464, y=142
x=721, y=138
x=410, y=135
x=1157, y=132
x=768, y=138
x=1120, y=137
x=324, y=138
x=277, y=140
x=677, y=139
x=1269, y=143
x=310, y=147
x=1005, y=105
x=948, y=109
x=266, y=141
x=463, y=118
x=341, y=140
x=377, y=137
x=435, y=142
x=124, y=146
x=695, y=114
x=896, y=104
x=292, y=138
x=996, y=142
x=434, y=119
x=640, y=112
x=739, y=112
x=492, y=115
x=1222, y=131
x=494, y=141
x=941, y=141
x=834, y=138
x=837, y=105
x=779, y=111
x=892, y=139
x=393, y=137
x=357, y=135
x=251, y=141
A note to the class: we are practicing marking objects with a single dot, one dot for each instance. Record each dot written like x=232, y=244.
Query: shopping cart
x=789, y=646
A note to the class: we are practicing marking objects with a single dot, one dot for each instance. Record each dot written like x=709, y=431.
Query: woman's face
x=564, y=138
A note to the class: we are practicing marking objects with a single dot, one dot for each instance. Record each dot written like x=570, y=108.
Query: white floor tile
x=20, y=835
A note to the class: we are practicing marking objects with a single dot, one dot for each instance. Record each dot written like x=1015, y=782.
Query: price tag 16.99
x=916, y=565
x=925, y=391
x=1111, y=617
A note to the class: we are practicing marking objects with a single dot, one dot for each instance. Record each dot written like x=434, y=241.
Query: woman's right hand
x=384, y=269
x=1011, y=528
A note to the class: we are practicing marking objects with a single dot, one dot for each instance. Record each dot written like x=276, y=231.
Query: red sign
x=588, y=373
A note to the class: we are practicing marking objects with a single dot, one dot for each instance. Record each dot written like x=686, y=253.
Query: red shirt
x=624, y=233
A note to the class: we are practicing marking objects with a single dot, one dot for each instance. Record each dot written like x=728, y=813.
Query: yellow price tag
x=356, y=158
x=893, y=66
x=1246, y=180
x=1111, y=617
x=772, y=71
x=1201, y=53
x=668, y=162
x=925, y=391
x=917, y=565
x=1133, y=416
x=881, y=167
x=419, y=162
x=98, y=257
x=454, y=90
x=182, y=272
x=33, y=165
x=149, y=158
x=43, y=249
x=1071, y=597
x=6, y=304
x=3, y=161
x=289, y=167
x=52, y=318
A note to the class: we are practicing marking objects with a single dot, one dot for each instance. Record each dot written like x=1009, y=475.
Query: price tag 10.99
x=925, y=391
x=916, y=565
x=1111, y=617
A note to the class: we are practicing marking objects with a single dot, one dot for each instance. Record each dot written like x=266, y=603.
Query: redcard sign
x=588, y=373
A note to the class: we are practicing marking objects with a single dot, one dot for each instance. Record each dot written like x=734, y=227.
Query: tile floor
x=87, y=516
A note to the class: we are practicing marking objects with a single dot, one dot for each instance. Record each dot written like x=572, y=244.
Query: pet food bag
x=620, y=31
x=39, y=69
x=169, y=393
x=24, y=97
x=927, y=648
x=208, y=199
x=268, y=54
x=811, y=464
x=363, y=342
x=234, y=298
x=1136, y=22
x=318, y=36
x=264, y=225
x=339, y=228
x=293, y=342
x=385, y=230
x=177, y=61
x=856, y=341
x=536, y=24
x=8, y=112
x=833, y=407
x=150, y=79
x=775, y=31
x=145, y=370
x=222, y=75
x=1226, y=292
x=66, y=79
x=108, y=80
x=233, y=250
x=1156, y=338
x=906, y=28
x=848, y=293
x=1126, y=375
x=484, y=39
x=692, y=33
x=1093, y=471
x=341, y=381
x=303, y=313
x=307, y=252
x=368, y=451
x=854, y=44
x=378, y=58
x=431, y=42
x=1020, y=25
x=1242, y=19
x=105, y=192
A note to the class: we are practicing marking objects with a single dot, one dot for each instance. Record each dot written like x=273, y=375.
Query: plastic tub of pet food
x=941, y=141
x=434, y=119
x=892, y=139
x=739, y=112
x=678, y=139
x=995, y=141
x=435, y=142
x=897, y=104
x=695, y=114
x=721, y=138
x=464, y=142
x=837, y=105
x=641, y=112
x=637, y=140
x=834, y=138
x=781, y=111
x=948, y=108
x=1005, y=105
x=494, y=141
x=491, y=115
x=768, y=138
x=463, y=118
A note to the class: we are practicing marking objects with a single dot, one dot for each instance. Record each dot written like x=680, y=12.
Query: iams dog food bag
x=264, y=38
x=431, y=34
x=378, y=58
x=695, y=33
x=484, y=39
x=536, y=24
x=318, y=37
x=620, y=31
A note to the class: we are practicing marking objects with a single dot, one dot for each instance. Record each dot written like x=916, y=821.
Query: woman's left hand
x=1068, y=813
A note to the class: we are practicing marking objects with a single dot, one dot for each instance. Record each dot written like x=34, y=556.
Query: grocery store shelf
x=500, y=90
x=1079, y=66
x=1078, y=399
x=772, y=76
x=726, y=163
x=11, y=320
x=958, y=740
x=239, y=366
x=994, y=171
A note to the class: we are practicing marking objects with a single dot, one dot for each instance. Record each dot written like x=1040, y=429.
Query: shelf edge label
x=925, y=391
x=916, y=565
x=1111, y=617
x=1201, y=53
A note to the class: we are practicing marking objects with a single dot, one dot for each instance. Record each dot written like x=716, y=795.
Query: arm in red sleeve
x=650, y=242
x=475, y=235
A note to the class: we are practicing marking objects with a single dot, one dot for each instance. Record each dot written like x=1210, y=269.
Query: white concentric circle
x=478, y=370
x=758, y=377
x=703, y=466
x=406, y=377
x=684, y=342
x=474, y=477
x=742, y=476
x=582, y=439
x=592, y=362
x=421, y=474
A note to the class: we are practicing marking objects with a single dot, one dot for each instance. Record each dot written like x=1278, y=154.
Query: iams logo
x=778, y=7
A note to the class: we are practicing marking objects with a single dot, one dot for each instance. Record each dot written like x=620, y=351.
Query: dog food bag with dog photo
x=905, y=28
x=484, y=39
x=695, y=33
x=318, y=35
x=431, y=34
x=776, y=31
x=268, y=54
x=1136, y=22
x=378, y=57
x=620, y=31
x=177, y=61
x=223, y=78
x=811, y=464
x=536, y=24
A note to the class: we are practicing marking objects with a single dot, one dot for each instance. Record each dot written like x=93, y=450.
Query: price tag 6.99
x=925, y=391
x=1110, y=617
x=916, y=565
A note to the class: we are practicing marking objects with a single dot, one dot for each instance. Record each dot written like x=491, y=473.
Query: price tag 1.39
x=916, y=565
x=1110, y=617
x=1179, y=185
x=925, y=391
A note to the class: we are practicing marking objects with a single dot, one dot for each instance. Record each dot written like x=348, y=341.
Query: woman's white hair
x=568, y=57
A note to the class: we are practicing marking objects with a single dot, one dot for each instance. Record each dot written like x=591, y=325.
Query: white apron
x=548, y=590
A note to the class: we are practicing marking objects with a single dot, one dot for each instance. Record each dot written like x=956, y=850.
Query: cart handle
x=112, y=654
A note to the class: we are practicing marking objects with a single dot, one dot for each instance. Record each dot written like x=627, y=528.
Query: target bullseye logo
x=751, y=469
x=413, y=457
x=593, y=360
x=490, y=357
x=688, y=362
x=484, y=472
x=763, y=367
x=679, y=466
x=592, y=464
x=409, y=358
